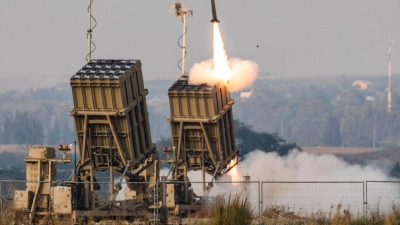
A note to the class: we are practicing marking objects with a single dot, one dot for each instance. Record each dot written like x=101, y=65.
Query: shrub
x=236, y=210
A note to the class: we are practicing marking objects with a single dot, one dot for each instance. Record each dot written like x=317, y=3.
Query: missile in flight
x=214, y=12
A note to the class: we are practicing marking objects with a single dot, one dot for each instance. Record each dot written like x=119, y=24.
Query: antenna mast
x=390, y=77
x=89, y=31
x=178, y=10
x=183, y=11
x=184, y=42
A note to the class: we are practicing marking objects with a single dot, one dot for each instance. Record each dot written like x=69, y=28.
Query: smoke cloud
x=234, y=73
x=302, y=166
x=245, y=95
x=305, y=197
x=298, y=166
x=313, y=197
x=243, y=73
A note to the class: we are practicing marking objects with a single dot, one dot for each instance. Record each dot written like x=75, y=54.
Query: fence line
x=383, y=195
x=309, y=197
x=306, y=197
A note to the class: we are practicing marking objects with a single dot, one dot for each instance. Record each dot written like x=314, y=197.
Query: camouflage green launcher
x=110, y=114
x=202, y=128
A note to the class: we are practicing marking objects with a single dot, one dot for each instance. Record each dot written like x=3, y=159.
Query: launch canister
x=214, y=12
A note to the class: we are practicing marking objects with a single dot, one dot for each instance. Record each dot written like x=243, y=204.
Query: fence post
x=1, y=198
x=52, y=184
x=155, y=201
x=364, y=207
x=366, y=198
x=259, y=202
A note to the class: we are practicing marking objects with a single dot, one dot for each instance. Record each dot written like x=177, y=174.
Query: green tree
x=7, y=129
x=54, y=136
x=306, y=116
x=395, y=171
x=249, y=140
x=27, y=129
x=331, y=133
x=68, y=135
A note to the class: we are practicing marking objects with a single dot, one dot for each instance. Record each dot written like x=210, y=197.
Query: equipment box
x=62, y=200
x=23, y=200
x=42, y=152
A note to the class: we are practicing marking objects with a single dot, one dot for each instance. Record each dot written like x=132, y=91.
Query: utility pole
x=374, y=134
x=390, y=77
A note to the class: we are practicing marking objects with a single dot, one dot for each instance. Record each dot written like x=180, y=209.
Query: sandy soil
x=339, y=150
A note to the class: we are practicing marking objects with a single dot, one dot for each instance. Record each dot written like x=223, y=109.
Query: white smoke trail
x=234, y=73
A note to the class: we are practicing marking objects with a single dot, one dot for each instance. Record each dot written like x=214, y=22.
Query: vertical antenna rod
x=89, y=32
x=184, y=44
x=390, y=77
x=178, y=10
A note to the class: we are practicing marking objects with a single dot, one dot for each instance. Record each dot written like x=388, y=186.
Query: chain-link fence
x=383, y=196
x=207, y=194
x=308, y=198
x=7, y=192
x=299, y=198
x=58, y=199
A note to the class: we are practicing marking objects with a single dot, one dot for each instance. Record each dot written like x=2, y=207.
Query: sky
x=44, y=42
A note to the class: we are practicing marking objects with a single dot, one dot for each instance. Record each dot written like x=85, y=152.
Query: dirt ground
x=359, y=155
x=339, y=150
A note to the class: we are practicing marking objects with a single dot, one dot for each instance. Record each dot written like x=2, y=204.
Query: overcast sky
x=46, y=40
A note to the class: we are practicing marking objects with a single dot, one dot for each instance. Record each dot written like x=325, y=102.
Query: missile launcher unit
x=202, y=133
x=109, y=96
x=113, y=138
x=201, y=123
x=113, y=133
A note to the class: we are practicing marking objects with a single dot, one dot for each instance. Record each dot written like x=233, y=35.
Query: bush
x=236, y=210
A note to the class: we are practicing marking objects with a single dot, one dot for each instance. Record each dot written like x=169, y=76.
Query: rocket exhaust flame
x=232, y=164
x=221, y=68
x=233, y=169
x=234, y=73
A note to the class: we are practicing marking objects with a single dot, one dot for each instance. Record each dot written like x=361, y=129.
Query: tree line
x=316, y=112
x=27, y=128
x=336, y=113
x=36, y=117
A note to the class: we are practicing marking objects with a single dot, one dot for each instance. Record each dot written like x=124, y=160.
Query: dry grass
x=339, y=216
x=7, y=217
x=236, y=210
